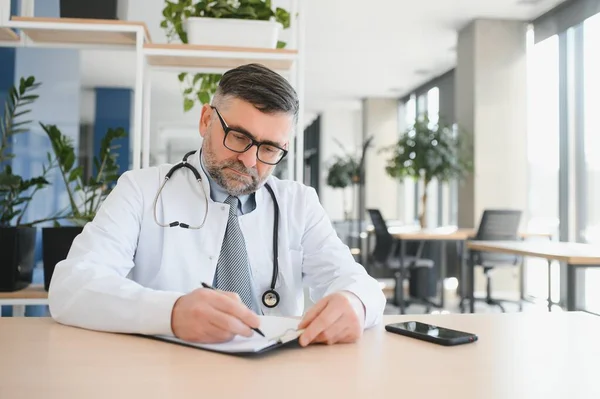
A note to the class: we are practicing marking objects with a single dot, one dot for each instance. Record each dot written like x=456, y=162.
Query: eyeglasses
x=240, y=142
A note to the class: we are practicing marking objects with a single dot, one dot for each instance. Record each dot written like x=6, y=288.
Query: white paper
x=273, y=327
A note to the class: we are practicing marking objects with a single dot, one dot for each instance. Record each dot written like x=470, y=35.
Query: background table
x=575, y=255
x=518, y=355
x=35, y=294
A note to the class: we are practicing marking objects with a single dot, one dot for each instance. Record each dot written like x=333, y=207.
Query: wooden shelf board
x=8, y=35
x=215, y=57
x=54, y=34
x=34, y=291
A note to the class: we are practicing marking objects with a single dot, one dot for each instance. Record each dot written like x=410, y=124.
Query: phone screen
x=431, y=330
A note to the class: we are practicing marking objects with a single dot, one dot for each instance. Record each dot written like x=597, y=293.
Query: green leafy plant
x=343, y=172
x=16, y=192
x=428, y=151
x=202, y=86
x=85, y=197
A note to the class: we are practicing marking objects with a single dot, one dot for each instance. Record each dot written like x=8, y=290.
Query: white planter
x=232, y=32
x=4, y=12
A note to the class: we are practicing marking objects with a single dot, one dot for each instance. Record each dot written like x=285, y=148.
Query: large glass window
x=441, y=198
x=433, y=195
x=543, y=157
x=591, y=87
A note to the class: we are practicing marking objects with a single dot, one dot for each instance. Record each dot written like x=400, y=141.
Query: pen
x=210, y=287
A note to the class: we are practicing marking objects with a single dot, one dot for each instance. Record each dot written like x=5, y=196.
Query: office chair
x=387, y=254
x=496, y=225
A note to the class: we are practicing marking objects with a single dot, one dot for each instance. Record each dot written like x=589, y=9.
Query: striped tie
x=233, y=269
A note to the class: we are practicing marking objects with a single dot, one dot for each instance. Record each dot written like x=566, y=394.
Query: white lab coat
x=124, y=272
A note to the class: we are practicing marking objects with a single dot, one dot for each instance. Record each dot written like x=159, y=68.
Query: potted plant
x=428, y=151
x=343, y=173
x=237, y=23
x=85, y=195
x=17, y=240
x=94, y=9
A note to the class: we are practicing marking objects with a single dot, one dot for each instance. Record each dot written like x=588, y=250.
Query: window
x=591, y=138
x=433, y=191
x=543, y=157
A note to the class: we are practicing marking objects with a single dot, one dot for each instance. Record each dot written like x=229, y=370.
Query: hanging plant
x=201, y=87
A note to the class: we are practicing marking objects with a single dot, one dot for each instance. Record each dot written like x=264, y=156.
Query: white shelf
x=8, y=35
x=129, y=35
x=214, y=58
x=79, y=31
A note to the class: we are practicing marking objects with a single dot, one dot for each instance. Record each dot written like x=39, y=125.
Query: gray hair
x=267, y=90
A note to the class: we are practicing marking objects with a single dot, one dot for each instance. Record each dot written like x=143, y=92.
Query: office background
x=522, y=78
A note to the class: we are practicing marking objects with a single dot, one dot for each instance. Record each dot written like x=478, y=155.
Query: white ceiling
x=353, y=49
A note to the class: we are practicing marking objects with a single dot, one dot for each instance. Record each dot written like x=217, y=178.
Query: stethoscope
x=270, y=297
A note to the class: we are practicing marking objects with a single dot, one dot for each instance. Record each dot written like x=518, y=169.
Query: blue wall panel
x=113, y=110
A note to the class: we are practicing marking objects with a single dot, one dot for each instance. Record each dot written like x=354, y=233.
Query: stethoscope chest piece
x=270, y=298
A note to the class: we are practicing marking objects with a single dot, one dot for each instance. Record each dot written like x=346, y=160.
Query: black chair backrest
x=499, y=225
x=384, y=241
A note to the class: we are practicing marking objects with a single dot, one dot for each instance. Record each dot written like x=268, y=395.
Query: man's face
x=241, y=173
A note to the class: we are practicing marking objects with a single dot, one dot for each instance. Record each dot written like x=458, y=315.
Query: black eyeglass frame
x=227, y=130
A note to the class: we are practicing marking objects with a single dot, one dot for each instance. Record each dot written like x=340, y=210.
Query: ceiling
x=353, y=49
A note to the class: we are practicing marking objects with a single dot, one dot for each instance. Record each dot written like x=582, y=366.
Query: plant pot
x=232, y=32
x=94, y=9
x=17, y=257
x=56, y=243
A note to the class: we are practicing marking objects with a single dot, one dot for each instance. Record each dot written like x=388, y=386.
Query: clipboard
x=279, y=332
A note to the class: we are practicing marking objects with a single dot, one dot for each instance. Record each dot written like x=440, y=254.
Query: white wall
x=491, y=105
x=382, y=118
x=491, y=93
x=341, y=121
x=501, y=116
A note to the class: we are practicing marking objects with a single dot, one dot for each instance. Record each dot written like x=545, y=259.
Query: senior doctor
x=138, y=267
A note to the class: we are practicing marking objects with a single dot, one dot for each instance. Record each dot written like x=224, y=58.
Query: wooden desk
x=518, y=355
x=449, y=234
x=35, y=294
x=443, y=235
x=575, y=255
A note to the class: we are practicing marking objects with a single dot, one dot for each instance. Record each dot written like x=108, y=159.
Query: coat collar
x=195, y=161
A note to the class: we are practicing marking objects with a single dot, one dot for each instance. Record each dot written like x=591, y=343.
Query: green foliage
x=201, y=87
x=198, y=87
x=85, y=197
x=343, y=172
x=16, y=193
x=428, y=151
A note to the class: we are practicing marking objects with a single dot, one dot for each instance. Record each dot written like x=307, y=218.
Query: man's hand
x=211, y=316
x=334, y=319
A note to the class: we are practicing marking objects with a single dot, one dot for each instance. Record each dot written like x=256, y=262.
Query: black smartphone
x=431, y=333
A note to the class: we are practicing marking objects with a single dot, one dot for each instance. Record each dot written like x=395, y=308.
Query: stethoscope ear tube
x=183, y=164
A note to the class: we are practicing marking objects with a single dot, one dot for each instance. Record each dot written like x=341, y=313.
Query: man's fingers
x=333, y=335
x=313, y=313
x=238, y=310
x=216, y=334
x=229, y=324
x=232, y=295
x=325, y=319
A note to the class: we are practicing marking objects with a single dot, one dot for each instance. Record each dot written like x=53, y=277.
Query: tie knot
x=232, y=202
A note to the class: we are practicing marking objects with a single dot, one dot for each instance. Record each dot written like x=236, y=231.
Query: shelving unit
x=91, y=34
x=134, y=36
x=80, y=31
x=8, y=35
x=216, y=57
